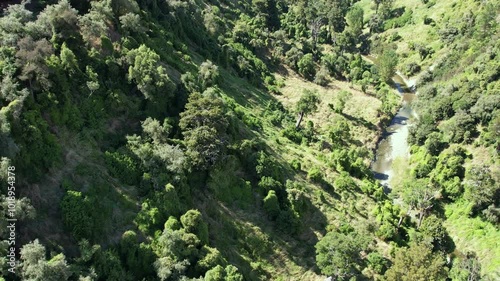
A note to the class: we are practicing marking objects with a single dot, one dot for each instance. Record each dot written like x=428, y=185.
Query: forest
x=234, y=140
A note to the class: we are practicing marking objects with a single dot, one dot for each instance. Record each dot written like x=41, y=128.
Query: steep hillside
x=232, y=140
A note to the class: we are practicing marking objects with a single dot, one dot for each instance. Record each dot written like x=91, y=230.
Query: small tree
x=306, y=66
x=466, y=268
x=321, y=77
x=342, y=98
x=208, y=74
x=307, y=103
x=204, y=130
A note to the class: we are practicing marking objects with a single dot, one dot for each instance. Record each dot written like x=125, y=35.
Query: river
x=394, y=143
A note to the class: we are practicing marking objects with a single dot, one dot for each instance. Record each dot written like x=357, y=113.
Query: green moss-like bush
x=315, y=174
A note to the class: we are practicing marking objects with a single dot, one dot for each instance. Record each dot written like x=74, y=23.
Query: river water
x=394, y=143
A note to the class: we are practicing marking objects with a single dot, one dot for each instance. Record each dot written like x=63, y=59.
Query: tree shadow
x=360, y=121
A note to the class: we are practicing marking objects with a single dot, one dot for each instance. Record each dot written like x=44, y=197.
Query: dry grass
x=360, y=107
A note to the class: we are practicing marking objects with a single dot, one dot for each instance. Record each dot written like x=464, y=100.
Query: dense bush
x=83, y=215
x=400, y=21
x=123, y=166
x=292, y=134
x=315, y=174
x=192, y=221
x=271, y=205
x=306, y=66
x=377, y=262
x=411, y=69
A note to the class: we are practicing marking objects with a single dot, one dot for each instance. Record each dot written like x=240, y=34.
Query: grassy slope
x=361, y=108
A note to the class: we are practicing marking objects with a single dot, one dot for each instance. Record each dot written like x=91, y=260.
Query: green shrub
x=210, y=257
x=321, y=77
x=400, y=21
x=268, y=184
x=377, y=262
x=429, y=21
x=123, y=166
x=108, y=266
x=268, y=166
x=296, y=164
x=172, y=223
x=344, y=182
x=227, y=185
x=271, y=205
x=288, y=221
x=387, y=231
x=315, y=174
x=156, y=209
x=192, y=221
x=76, y=209
x=411, y=69
x=292, y=134
x=306, y=66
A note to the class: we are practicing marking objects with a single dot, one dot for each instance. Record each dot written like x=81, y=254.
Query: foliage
x=466, y=268
x=308, y=103
x=218, y=273
x=377, y=262
x=271, y=205
x=417, y=262
x=129, y=113
x=481, y=189
x=342, y=98
x=204, y=130
x=75, y=208
x=419, y=195
x=435, y=233
x=338, y=254
x=306, y=66
x=387, y=63
x=151, y=78
x=315, y=174
x=192, y=221
x=35, y=267
x=156, y=209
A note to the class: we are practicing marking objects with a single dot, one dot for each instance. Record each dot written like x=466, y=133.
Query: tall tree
x=58, y=21
x=31, y=57
x=354, y=20
x=204, y=125
x=481, y=189
x=387, y=63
